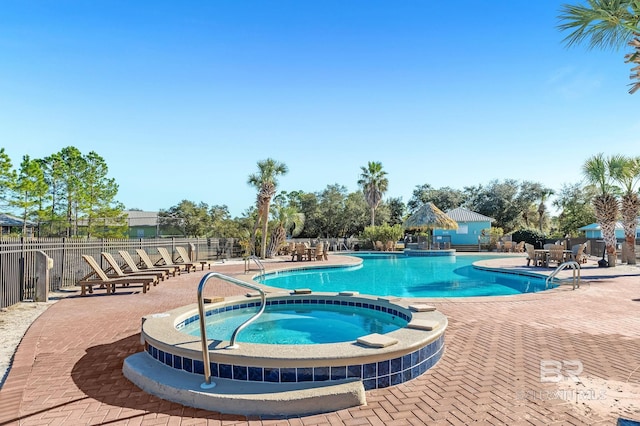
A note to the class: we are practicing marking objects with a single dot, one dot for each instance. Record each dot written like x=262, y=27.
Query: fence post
x=193, y=255
x=43, y=265
x=23, y=269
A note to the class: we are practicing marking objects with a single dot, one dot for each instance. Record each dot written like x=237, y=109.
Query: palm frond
x=634, y=58
x=604, y=24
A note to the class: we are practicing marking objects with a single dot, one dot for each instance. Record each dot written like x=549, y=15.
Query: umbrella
x=429, y=217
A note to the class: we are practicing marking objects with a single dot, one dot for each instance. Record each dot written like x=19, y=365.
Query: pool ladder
x=256, y=260
x=575, y=266
x=203, y=331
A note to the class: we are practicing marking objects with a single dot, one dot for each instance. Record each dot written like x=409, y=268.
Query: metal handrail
x=574, y=266
x=203, y=331
x=257, y=262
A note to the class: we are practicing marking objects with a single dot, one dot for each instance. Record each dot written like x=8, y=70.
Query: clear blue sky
x=182, y=99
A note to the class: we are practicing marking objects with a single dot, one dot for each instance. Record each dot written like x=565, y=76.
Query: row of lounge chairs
x=145, y=272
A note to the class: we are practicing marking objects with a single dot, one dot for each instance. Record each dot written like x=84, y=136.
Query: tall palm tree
x=605, y=203
x=605, y=24
x=374, y=183
x=265, y=181
x=626, y=171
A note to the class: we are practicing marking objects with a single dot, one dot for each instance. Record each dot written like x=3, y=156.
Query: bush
x=530, y=236
x=382, y=233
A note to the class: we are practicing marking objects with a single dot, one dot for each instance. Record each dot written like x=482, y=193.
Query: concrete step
x=241, y=397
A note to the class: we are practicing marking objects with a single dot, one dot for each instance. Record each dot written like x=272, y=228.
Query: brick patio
x=67, y=369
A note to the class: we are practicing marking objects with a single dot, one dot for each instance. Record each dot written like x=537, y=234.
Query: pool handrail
x=256, y=260
x=203, y=330
x=569, y=264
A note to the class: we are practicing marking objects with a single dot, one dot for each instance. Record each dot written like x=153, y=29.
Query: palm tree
x=374, y=184
x=265, y=181
x=605, y=24
x=289, y=221
x=626, y=171
x=596, y=170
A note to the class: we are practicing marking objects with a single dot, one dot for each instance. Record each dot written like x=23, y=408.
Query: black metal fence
x=17, y=259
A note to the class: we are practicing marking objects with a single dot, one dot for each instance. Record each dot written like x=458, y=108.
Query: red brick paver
x=68, y=368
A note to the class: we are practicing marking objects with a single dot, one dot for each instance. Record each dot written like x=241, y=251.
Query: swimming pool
x=409, y=276
x=299, y=323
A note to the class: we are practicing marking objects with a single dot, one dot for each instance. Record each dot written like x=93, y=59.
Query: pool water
x=409, y=276
x=300, y=325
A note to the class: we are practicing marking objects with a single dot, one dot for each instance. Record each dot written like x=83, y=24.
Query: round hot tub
x=411, y=343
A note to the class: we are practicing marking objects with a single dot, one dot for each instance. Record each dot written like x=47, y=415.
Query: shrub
x=382, y=233
x=531, y=236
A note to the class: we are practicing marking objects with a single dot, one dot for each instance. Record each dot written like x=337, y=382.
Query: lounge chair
x=99, y=278
x=147, y=263
x=168, y=261
x=184, y=257
x=116, y=271
x=131, y=266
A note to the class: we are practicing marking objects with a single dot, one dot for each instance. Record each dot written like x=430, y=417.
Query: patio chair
x=115, y=270
x=131, y=266
x=300, y=253
x=578, y=253
x=379, y=246
x=147, y=263
x=319, y=254
x=531, y=254
x=184, y=257
x=288, y=249
x=99, y=278
x=168, y=261
x=556, y=254
x=519, y=248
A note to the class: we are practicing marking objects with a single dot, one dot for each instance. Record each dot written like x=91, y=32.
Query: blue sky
x=182, y=99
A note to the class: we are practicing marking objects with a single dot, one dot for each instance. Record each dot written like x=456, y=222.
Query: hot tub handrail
x=203, y=331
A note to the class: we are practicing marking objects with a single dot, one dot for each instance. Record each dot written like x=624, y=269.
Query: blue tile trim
x=374, y=375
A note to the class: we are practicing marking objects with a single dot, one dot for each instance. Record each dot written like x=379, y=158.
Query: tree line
x=62, y=192
x=69, y=190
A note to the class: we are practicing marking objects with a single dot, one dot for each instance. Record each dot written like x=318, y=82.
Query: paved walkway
x=67, y=370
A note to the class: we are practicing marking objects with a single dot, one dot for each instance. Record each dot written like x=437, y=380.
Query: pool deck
x=68, y=368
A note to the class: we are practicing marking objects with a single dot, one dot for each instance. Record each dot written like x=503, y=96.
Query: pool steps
x=248, y=398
